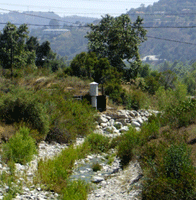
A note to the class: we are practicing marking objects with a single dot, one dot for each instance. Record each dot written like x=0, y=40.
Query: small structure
x=97, y=101
x=93, y=93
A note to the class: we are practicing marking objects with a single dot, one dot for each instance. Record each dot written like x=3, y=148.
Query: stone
x=133, y=113
x=144, y=118
x=139, y=120
x=104, y=125
x=97, y=179
x=124, y=129
x=135, y=124
x=112, y=121
x=102, y=119
x=99, y=131
x=118, y=125
x=41, y=79
x=123, y=121
x=136, y=179
x=122, y=114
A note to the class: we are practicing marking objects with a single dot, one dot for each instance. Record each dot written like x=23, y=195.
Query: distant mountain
x=67, y=43
x=40, y=18
x=169, y=21
x=171, y=26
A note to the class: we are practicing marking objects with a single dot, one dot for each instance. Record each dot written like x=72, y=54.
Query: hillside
x=170, y=23
x=169, y=20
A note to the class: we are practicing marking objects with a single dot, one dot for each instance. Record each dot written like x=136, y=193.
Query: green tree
x=44, y=54
x=54, y=24
x=12, y=47
x=83, y=64
x=32, y=43
x=117, y=39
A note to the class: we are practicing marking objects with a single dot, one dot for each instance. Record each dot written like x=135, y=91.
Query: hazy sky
x=91, y=8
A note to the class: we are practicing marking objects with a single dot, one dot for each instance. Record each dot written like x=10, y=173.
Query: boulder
x=139, y=120
x=102, y=119
x=104, y=125
x=124, y=129
x=122, y=114
x=111, y=122
x=135, y=124
x=97, y=179
x=118, y=125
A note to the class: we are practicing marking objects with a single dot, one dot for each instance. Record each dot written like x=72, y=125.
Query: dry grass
x=6, y=132
x=185, y=133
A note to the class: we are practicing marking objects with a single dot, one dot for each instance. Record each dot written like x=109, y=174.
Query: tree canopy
x=117, y=39
x=12, y=46
x=18, y=50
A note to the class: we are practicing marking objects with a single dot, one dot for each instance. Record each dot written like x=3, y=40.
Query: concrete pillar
x=94, y=93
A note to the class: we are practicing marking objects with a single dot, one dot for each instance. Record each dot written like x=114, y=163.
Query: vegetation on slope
x=39, y=99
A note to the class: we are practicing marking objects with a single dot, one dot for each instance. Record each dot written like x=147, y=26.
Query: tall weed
x=20, y=148
x=170, y=175
x=76, y=190
x=97, y=143
x=137, y=99
x=166, y=97
x=20, y=105
x=127, y=143
x=180, y=114
x=55, y=172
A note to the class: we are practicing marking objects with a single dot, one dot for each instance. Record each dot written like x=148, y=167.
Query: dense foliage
x=165, y=14
x=20, y=148
x=117, y=39
x=17, y=50
x=41, y=99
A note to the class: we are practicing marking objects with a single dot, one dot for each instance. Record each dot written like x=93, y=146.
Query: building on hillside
x=54, y=31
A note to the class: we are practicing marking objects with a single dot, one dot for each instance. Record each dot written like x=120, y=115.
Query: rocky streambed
x=110, y=182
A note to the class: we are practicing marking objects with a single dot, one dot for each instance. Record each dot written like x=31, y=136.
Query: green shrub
x=96, y=167
x=115, y=92
x=114, y=142
x=68, y=117
x=97, y=143
x=149, y=130
x=20, y=105
x=76, y=190
x=171, y=175
x=20, y=148
x=54, y=173
x=136, y=100
x=126, y=146
x=180, y=114
x=167, y=97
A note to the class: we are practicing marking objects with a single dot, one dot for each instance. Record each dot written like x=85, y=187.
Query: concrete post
x=94, y=93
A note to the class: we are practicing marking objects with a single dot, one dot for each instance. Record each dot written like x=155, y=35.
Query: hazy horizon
x=87, y=8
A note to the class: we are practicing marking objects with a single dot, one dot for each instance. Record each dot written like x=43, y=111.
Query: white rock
x=97, y=179
x=118, y=125
x=102, y=119
x=135, y=124
x=104, y=125
x=145, y=119
x=138, y=129
x=99, y=131
x=112, y=122
x=139, y=120
x=123, y=129
x=122, y=114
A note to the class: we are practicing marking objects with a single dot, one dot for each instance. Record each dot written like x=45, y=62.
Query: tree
x=42, y=53
x=83, y=64
x=117, y=39
x=12, y=47
x=87, y=65
x=54, y=24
